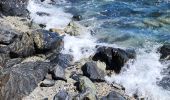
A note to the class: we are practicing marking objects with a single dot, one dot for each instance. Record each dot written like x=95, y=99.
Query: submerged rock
x=93, y=71
x=113, y=96
x=165, y=52
x=115, y=58
x=62, y=95
x=21, y=79
x=14, y=7
x=77, y=17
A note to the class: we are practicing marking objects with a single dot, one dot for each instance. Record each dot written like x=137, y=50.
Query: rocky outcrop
x=14, y=7
x=93, y=71
x=46, y=41
x=115, y=58
x=21, y=79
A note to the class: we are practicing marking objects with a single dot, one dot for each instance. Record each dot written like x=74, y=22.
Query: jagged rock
x=165, y=51
x=64, y=60
x=115, y=58
x=47, y=83
x=58, y=73
x=91, y=70
x=21, y=79
x=113, y=96
x=14, y=7
x=22, y=47
x=60, y=31
x=45, y=40
x=62, y=95
x=87, y=88
x=7, y=36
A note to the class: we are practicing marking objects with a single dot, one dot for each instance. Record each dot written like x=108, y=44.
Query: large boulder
x=115, y=58
x=14, y=7
x=23, y=46
x=165, y=51
x=113, y=96
x=21, y=79
x=93, y=71
x=46, y=41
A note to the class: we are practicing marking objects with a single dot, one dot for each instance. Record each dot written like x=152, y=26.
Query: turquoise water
x=122, y=21
x=143, y=25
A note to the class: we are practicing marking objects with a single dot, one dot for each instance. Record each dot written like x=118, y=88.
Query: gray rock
x=91, y=70
x=87, y=88
x=58, y=73
x=47, y=83
x=21, y=79
x=14, y=7
x=113, y=96
x=22, y=47
x=6, y=36
x=64, y=60
x=115, y=58
x=3, y=58
x=62, y=95
x=46, y=41
x=11, y=62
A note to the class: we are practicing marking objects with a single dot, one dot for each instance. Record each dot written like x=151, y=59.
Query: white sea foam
x=56, y=19
x=141, y=77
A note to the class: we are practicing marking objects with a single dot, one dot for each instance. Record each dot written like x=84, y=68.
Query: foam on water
x=141, y=76
x=56, y=19
x=138, y=77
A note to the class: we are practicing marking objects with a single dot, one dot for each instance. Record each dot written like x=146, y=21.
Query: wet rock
x=7, y=37
x=73, y=29
x=47, y=83
x=164, y=19
x=21, y=79
x=22, y=47
x=14, y=7
x=91, y=70
x=165, y=51
x=87, y=88
x=42, y=14
x=113, y=96
x=64, y=60
x=58, y=73
x=77, y=17
x=46, y=41
x=115, y=58
x=62, y=95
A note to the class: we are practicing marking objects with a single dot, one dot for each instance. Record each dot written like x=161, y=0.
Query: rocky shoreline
x=33, y=67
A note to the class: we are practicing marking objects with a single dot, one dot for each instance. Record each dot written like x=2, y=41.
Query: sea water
x=143, y=25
